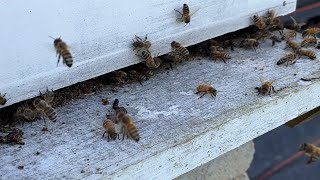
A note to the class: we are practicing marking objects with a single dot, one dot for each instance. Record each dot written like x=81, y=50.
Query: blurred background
x=276, y=156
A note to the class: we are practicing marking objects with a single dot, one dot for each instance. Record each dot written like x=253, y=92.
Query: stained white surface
x=100, y=35
x=178, y=130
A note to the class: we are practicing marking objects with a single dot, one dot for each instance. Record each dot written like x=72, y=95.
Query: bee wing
x=294, y=21
x=194, y=11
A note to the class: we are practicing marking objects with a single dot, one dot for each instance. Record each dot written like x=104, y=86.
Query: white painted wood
x=178, y=130
x=100, y=34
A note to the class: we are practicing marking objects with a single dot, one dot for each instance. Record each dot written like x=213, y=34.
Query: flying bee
x=288, y=58
x=139, y=43
x=308, y=53
x=310, y=150
x=289, y=35
x=185, y=15
x=265, y=88
x=220, y=55
x=311, y=32
x=259, y=22
x=110, y=130
x=249, y=43
x=151, y=62
x=45, y=109
x=120, y=77
x=128, y=127
x=308, y=42
x=206, y=89
x=293, y=45
x=62, y=49
x=3, y=99
x=180, y=49
x=275, y=39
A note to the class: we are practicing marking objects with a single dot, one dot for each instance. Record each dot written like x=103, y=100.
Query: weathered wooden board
x=178, y=130
x=100, y=35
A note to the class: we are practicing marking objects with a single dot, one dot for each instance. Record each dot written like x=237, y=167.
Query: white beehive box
x=100, y=35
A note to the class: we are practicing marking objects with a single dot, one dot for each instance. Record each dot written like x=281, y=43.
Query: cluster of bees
x=120, y=116
x=40, y=108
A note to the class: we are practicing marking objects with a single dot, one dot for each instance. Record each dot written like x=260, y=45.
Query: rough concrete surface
x=229, y=166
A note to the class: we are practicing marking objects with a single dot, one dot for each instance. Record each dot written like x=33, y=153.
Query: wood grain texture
x=100, y=34
x=178, y=130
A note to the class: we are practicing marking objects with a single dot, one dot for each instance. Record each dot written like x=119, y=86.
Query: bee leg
x=138, y=38
x=224, y=60
x=140, y=82
x=178, y=12
x=273, y=89
x=309, y=161
x=58, y=59
x=202, y=95
x=104, y=133
x=273, y=42
x=118, y=136
x=213, y=96
x=197, y=92
x=108, y=137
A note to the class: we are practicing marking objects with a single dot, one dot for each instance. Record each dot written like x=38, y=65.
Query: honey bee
x=297, y=26
x=308, y=42
x=310, y=150
x=180, y=49
x=249, y=43
x=259, y=22
x=128, y=127
x=120, y=77
x=311, y=32
x=45, y=109
x=289, y=35
x=110, y=130
x=26, y=112
x=260, y=35
x=228, y=43
x=275, y=39
x=185, y=15
x=271, y=14
x=265, y=88
x=48, y=96
x=288, y=58
x=276, y=25
x=293, y=45
x=14, y=137
x=140, y=76
x=220, y=55
x=206, y=89
x=104, y=101
x=3, y=100
x=151, y=62
x=62, y=49
x=308, y=53
x=139, y=43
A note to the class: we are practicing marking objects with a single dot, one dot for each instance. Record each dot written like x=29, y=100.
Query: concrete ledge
x=179, y=131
